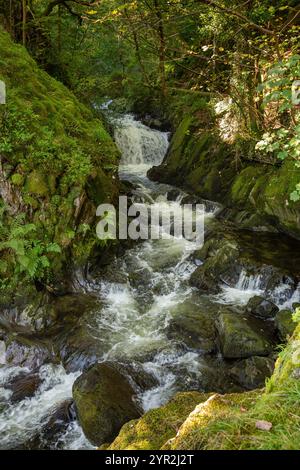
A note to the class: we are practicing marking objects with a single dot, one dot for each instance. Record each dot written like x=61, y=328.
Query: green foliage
x=29, y=254
x=284, y=138
x=296, y=316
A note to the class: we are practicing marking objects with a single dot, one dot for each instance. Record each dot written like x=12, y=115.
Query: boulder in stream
x=104, y=400
x=194, y=326
x=261, y=307
x=238, y=339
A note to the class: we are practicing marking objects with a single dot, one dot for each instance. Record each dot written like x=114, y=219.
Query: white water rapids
x=133, y=322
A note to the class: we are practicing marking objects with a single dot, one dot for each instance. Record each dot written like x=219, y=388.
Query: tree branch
x=236, y=14
x=64, y=3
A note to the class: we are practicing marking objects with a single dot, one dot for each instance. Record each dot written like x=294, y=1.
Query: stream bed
x=139, y=310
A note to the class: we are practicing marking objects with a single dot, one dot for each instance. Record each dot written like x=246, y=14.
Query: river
x=146, y=289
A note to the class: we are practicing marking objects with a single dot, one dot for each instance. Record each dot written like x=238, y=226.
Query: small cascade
x=246, y=287
x=285, y=297
x=248, y=282
x=138, y=143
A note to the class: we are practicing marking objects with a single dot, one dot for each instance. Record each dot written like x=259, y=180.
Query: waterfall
x=246, y=287
x=139, y=144
x=249, y=282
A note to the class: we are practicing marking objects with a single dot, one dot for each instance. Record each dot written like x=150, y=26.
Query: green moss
x=227, y=422
x=158, y=425
x=17, y=179
x=36, y=184
x=244, y=184
x=48, y=135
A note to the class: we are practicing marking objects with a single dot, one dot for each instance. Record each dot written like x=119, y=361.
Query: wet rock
x=141, y=280
x=2, y=352
x=194, y=326
x=227, y=255
x=252, y=372
x=238, y=339
x=46, y=315
x=23, y=386
x=140, y=379
x=28, y=353
x=78, y=348
x=284, y=324
x=167, y=253
x=104, y=401
x=261, y=307
x=220, y=265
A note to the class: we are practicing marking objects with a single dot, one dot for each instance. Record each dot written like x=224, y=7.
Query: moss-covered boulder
x=104, y=401
x=261, y=307
x=285, y=324
x=238, y=338
x=194, y=325
x=220, y=256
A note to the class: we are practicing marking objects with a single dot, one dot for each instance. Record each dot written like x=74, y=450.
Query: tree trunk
x=24, y=21
x=162, y=49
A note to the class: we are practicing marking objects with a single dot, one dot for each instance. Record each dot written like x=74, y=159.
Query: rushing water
x=150, y=289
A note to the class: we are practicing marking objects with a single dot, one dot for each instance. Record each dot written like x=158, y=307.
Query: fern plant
x=29, y=254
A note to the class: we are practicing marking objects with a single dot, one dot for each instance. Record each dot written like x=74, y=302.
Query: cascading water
x=139, y=144
x=140, y=305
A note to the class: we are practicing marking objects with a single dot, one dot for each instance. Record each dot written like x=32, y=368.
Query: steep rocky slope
x=57, y=161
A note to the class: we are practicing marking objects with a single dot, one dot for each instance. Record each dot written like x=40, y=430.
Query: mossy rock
x=65, y=150
x=17, y=179
x=285, y=324
x=251, y=373
x=159, y=425
x=194, y=325
x=207, y=418
x=238, y=339
x=104, y=401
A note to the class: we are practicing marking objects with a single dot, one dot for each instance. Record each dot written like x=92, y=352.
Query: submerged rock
x=238, y=339
x=261, y=307
x=104, y=401
x=285, y=324
x=48, y=438
x=252, y=372
x=23, y=386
